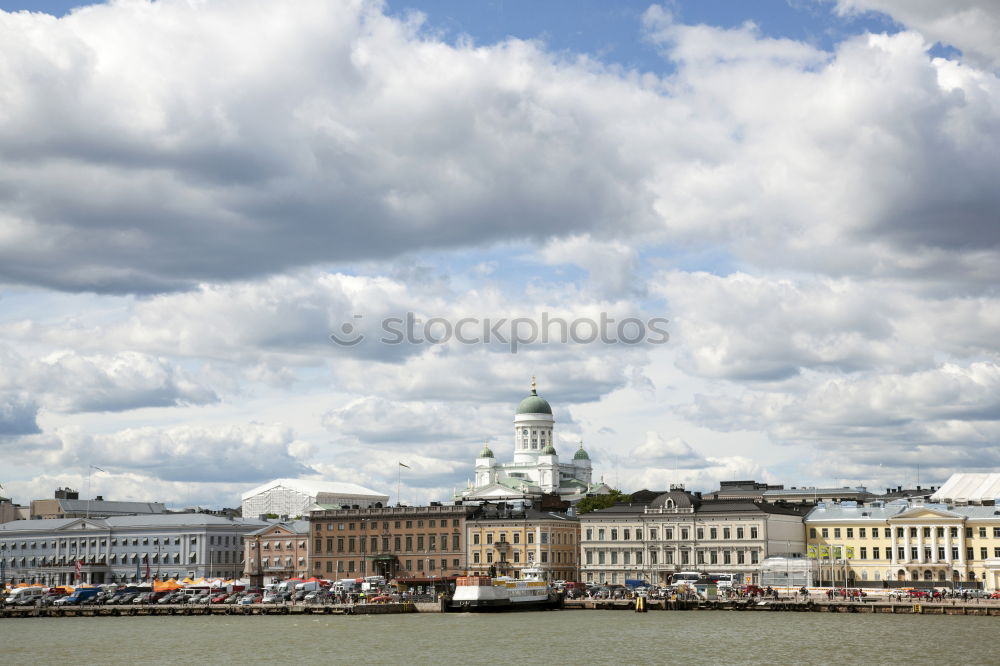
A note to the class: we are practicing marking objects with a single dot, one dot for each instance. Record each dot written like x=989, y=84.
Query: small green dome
x=486, y=453
x=581, y=454
x=549, y=450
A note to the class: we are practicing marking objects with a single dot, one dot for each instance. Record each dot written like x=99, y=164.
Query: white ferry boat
x=482, y=594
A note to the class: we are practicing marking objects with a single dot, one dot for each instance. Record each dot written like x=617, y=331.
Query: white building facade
x=123, y=549
x=678, y=531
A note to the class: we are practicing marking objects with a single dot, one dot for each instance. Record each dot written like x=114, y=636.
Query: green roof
x=549, y=450
x=534, y=404
x=581, y=454
x=486, y=452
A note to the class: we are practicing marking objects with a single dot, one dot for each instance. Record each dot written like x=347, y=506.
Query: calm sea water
x=578, y=637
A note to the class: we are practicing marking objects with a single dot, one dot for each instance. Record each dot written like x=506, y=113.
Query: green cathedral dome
x=534, y=403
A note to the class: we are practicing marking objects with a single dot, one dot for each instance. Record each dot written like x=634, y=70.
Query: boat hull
x=502, y=605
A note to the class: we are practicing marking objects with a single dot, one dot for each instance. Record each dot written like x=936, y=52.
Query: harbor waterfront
x=537, y=638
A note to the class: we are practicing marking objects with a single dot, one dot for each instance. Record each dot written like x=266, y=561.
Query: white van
x=25, y=596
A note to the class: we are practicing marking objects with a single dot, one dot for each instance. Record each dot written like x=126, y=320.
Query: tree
x=594, y=502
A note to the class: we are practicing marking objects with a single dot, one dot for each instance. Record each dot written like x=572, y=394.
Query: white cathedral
x=536, y=469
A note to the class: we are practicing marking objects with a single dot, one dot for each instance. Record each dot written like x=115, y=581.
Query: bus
x=724, y=579
x=689, y=577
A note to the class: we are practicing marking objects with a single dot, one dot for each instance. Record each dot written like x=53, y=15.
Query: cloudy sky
x=195, y=194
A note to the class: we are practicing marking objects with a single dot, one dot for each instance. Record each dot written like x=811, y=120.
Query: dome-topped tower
x=581, y=462
x=533, y=425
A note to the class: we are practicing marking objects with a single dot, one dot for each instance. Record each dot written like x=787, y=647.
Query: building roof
x=847, y=511
x=297, y=527
x=148, y=520
x=581, y=454
x=37, y=524
x=969, y=488
x=486, y=452
x=106, y=506
x=680, y=499
x=316, y=487
x=818, y=492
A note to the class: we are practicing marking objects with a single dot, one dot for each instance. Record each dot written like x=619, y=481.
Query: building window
x=862, y=532
x=850, y=532
x=614, y=534
x=864, y=553
x=739, y=532
x=475, y=539
x=753, y=532
x=825, y=532
x=875, y=553
x=836, y=532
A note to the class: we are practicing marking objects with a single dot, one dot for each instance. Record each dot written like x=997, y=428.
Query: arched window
x=864, y=574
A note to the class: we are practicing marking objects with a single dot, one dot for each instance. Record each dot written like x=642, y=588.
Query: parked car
x=219, y=598
x=250, y=599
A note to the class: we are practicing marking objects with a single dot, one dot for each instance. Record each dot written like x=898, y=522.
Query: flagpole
x=399, y=471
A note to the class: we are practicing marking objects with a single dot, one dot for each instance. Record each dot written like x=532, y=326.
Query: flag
x=402, y=465
x=812, y=551
x=76, y=569
x=850, y=552
x=98, y=468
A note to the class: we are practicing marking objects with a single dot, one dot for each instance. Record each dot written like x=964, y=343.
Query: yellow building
x=511, y=541
x=905, y=541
